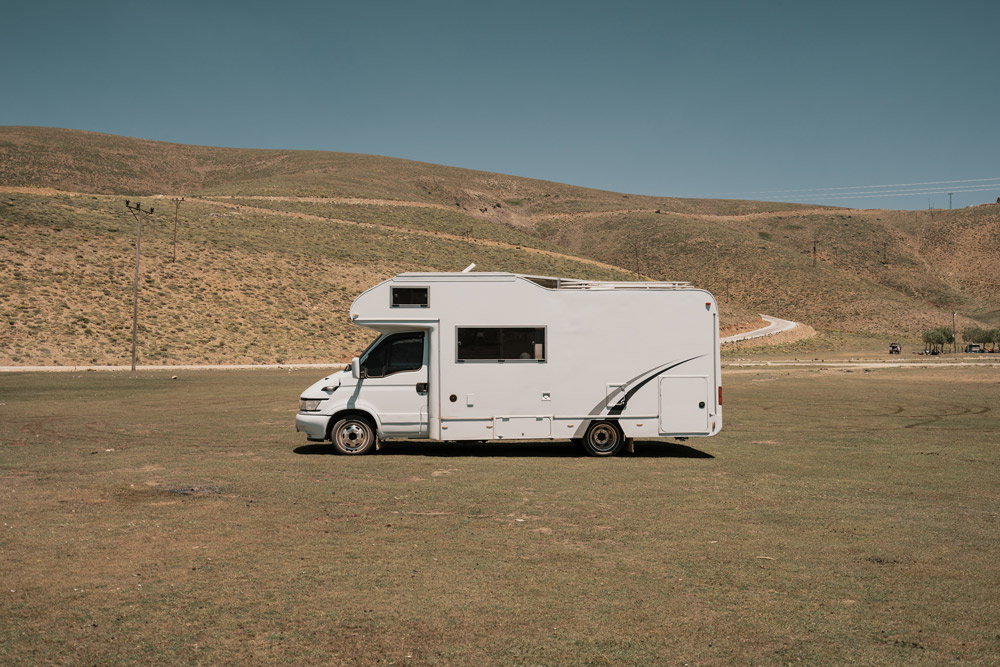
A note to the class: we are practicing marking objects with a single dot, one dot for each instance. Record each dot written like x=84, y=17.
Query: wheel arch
x=353, y=412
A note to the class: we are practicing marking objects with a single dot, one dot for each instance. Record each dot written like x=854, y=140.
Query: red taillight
x=720, y=395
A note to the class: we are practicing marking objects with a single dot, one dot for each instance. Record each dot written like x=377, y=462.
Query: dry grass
x=266, y=271
x=248, y=286
x=839, y=518
x=870, y=274
x=91, y=162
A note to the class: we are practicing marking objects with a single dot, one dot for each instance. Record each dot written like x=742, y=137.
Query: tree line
x=936, y=339
x=982, y=336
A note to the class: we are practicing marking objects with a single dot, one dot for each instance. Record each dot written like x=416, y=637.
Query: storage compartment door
x=684, y=405
x=520, y=428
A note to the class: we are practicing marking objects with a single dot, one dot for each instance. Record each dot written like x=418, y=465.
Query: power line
x=960, y=188
x=957, y=188
x=896, y=193
x=858, y=187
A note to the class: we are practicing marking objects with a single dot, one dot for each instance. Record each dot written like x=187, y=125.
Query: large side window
x=395, y=354
x=410, y=297
x=501, y=343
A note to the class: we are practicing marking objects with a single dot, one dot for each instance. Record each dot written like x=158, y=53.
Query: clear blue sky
x=690, y=99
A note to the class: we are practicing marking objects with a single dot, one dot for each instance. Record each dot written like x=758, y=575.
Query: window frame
x=425, y=288
x=545, y=344
x=389, y=340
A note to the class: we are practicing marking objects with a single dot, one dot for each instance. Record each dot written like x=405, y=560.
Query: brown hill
x=872, y=271
x=77, y=161
x=272, y=245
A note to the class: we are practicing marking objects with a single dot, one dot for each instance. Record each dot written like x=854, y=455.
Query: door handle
x=421, y=387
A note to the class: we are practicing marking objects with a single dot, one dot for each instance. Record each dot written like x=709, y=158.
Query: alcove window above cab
x=410, y=297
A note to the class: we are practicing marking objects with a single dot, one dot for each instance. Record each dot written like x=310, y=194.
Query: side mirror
x=356, y=368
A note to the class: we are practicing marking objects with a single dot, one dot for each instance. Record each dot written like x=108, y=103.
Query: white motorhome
x=501, y=356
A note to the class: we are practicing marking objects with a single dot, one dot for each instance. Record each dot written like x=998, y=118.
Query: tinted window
x=409, y=297
x=406, y=354
x=394, y=354
x=501, y=344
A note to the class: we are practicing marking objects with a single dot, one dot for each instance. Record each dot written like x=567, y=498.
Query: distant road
x=776, y=325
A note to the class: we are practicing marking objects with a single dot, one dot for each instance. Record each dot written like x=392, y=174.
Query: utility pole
x=138, y=213
x=949, y=200
x=954, y=339
x=814, y=252
x=177, y=203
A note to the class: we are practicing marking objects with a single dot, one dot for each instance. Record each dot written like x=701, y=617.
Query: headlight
x=309, y=404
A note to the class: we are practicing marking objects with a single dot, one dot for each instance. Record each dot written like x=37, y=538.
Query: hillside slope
x=76, y=161
x=248, y=286
x=864, y=271
x=273, y=245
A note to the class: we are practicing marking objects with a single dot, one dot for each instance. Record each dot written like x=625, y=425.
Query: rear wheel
x=353, y=435
x=603, y=439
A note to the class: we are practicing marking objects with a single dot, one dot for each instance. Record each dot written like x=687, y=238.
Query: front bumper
x=314, y=426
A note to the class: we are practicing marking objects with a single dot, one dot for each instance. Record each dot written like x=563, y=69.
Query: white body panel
x=643, y=354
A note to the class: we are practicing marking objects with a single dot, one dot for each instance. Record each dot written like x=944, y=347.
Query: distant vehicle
x=973, y=348
x=501, y=356
x=894, y=348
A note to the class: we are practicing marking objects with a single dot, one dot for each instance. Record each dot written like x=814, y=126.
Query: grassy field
x=841, y=517
x=833, y=346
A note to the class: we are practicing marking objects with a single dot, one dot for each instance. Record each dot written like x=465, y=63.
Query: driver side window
x=397, y=353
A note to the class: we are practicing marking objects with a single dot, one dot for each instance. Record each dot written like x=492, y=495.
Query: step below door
x=684, y=405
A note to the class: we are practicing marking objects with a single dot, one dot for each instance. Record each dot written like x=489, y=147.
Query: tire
x=353, y=435
x=603, y=439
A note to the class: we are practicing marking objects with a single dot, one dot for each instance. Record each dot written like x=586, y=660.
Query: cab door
x=394, y=382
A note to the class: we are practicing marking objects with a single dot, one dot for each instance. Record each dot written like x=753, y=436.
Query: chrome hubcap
x=353, y=436
x=603, y=437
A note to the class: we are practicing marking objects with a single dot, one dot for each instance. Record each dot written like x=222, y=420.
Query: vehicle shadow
x=520, y=449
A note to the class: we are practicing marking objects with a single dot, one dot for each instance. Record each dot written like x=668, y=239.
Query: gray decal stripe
x=655, y=372
x=596, y=410
x=617, y=410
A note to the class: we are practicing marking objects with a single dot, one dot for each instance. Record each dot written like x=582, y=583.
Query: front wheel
x=352, y=435
x=603, y=439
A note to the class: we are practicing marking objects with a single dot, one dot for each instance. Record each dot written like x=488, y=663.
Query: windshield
x=371, y=345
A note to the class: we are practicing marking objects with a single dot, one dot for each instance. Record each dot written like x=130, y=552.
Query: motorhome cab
x=500, y=356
